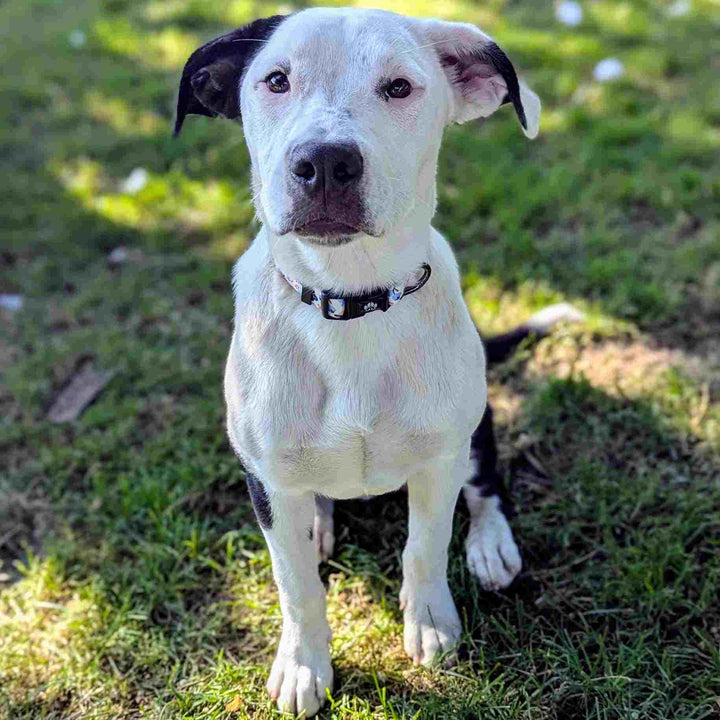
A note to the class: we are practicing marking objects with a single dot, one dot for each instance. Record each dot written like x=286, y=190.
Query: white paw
x=432, y=624
x=299, y=679
x=324, y=534
x=492, y=555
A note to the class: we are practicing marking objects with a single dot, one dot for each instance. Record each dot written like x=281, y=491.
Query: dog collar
x=349, y=307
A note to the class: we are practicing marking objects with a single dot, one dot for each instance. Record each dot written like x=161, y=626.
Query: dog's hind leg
x=492, y=554
x=302, y=670
x=324, y=527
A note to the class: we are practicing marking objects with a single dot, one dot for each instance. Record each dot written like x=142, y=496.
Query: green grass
x=135, y=582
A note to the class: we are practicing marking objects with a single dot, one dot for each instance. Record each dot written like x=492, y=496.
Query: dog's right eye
x=398, y=88
x=277, y=82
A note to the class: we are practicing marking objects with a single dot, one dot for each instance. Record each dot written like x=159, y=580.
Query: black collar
x=349, y=307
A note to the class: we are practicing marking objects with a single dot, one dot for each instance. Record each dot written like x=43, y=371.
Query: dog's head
x=344, y=109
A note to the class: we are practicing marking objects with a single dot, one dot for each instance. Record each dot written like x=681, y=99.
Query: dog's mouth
x=325, y=228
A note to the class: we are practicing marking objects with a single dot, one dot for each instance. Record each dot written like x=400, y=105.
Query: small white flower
x=569, y=13
x=608, y=69
x=135, y=181
x=11, y=302
x=679, y=8
x=118, y=256
x=77, y=39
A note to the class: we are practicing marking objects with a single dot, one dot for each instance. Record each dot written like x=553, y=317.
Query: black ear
x=493, y=54
x=210, y=83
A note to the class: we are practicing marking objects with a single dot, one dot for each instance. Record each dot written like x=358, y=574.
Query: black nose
x=325, y=167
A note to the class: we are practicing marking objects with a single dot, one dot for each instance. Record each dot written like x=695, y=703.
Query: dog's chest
x=348, y=459
x=352, y=420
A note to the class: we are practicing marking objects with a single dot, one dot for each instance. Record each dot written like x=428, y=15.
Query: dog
x=354, y=366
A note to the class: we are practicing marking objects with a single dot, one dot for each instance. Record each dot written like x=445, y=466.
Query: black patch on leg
x=483, y=451
x=310, y=534
x=260, y=501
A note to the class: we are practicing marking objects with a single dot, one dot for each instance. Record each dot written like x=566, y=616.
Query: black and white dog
x=354, y=366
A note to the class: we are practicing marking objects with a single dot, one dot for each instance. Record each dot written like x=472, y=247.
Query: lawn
x=134, y=581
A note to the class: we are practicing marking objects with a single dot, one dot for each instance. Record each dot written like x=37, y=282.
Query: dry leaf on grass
x=234, y=705
x=84, y=386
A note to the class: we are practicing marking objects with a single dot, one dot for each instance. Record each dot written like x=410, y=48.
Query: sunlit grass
x=168, y=202
x=121, y=117
x=623, y=18
x=693, y=132
x=460, y=10
x=165, y=49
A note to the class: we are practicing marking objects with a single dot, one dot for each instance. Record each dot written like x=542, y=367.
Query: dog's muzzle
x=324, y=184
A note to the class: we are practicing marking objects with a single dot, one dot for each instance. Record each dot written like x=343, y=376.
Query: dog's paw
x=299, y=679
x=324, y=534
x=431, y=621
x=492, y=555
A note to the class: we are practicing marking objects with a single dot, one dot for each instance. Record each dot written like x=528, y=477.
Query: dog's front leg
x=302, y=670
x=431, y=620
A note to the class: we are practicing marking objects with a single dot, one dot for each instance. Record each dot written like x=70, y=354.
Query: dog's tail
x=499, y=347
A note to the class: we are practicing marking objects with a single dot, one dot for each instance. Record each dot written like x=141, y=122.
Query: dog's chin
x=330, y=241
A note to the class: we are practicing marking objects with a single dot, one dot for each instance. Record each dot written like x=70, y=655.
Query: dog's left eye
x=398, y=88
x=278, y=82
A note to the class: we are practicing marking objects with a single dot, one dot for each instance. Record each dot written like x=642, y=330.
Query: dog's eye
x=278, y=82
x=398, y=88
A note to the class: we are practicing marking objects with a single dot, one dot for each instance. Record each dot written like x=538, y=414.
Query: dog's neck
x=364, y=264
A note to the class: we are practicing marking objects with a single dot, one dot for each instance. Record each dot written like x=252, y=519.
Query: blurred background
x=133, y=580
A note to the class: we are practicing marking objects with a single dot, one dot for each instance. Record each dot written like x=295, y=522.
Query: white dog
x=354, y=366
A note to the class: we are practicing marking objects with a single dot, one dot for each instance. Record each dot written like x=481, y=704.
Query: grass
x=135, y=582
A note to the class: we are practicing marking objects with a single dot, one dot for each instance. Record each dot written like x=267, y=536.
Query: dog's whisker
x=329, y=259
x=421, y=47
x=370, y=260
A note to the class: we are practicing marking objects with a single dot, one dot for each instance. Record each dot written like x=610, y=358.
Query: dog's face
x=344, y=109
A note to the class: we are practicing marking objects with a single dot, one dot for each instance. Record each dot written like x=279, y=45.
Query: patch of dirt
x=621, y=368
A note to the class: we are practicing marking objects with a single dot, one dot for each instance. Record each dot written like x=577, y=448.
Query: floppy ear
x=480, y=74
x=210, y=83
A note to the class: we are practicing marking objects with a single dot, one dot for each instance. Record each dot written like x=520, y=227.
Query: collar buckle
x=325, y=309
x=353, y=307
